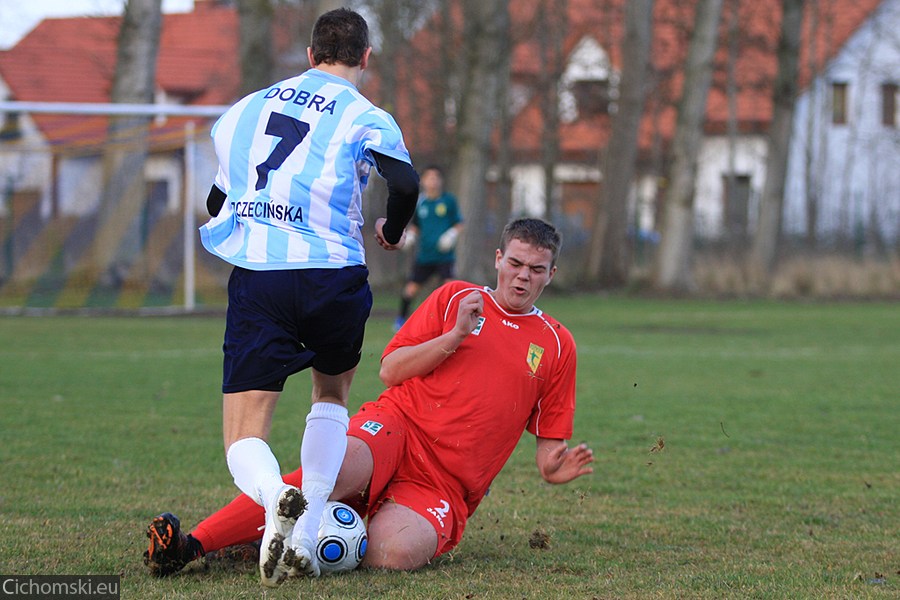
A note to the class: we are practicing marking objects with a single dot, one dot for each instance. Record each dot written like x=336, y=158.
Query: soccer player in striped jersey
x=294, y=160
x=471, y=369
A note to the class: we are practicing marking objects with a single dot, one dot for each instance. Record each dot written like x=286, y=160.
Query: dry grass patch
x=828, y=277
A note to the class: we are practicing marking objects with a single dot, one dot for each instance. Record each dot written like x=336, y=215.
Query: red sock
x=238, y=522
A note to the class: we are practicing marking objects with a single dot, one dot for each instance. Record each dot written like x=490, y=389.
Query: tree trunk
x=813, y=125
x=486, y=26
x=114, y=246
x=608, y=258
x=445, y=84
x=328, y=5
x=733, y=227
x=256, y=54
x=673, y=261
x=503, y=188
x=396, y=20
x=768, y=230
x=551, y=34
x=388, y=15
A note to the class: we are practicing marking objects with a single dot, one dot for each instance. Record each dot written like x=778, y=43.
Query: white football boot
x=302, y=555
x=281, y=517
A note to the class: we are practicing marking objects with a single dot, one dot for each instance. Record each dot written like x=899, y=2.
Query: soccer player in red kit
x=471, y=369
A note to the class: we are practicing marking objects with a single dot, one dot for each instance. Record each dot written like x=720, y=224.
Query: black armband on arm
x=215, y=200
x=403, y=193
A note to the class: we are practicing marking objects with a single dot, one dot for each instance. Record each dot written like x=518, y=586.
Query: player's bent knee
x=393, y=559
x=399, y=539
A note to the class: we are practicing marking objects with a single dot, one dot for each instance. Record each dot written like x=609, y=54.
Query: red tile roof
x=73, y=60
x=759, y=23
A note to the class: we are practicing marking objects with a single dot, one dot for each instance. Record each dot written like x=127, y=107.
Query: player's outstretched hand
x=562, y=464
x=379, y=236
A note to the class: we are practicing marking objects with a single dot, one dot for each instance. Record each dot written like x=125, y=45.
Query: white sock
x=255, y=469
x=321, y=454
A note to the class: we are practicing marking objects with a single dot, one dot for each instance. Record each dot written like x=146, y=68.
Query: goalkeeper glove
x=447, y=241
x=410, y=240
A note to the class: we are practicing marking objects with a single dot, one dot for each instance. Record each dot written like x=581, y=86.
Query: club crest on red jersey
x=535, y=353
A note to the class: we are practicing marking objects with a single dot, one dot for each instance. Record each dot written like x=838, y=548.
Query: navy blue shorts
x=283, y=321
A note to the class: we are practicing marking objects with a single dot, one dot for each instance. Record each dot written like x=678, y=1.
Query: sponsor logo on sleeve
x=478, y=327
x=371, y=427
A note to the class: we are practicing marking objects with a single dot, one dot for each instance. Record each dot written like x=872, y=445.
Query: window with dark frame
x=10, y=127
x=889, y=104
x=592, y=96
x=736, y=203
x=839, y=103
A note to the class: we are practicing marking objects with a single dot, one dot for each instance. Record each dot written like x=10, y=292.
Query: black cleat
x=169, y=550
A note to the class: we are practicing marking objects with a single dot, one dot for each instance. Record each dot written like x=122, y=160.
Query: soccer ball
x=342, y=539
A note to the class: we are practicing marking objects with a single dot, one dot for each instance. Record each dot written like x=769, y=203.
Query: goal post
x=54, y=212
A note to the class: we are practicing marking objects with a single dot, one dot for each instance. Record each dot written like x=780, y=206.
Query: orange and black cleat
x=169, y=550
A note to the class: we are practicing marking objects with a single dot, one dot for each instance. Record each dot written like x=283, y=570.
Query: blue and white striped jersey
x=294, y=160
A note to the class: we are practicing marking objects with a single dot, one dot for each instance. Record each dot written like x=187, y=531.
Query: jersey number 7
x=291, y=131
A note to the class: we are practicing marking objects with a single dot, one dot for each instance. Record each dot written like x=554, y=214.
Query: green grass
x=744, y=450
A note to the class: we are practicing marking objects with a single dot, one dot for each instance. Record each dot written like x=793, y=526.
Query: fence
x=64, y=246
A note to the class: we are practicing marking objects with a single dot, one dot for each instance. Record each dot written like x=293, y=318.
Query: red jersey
x=514, y=372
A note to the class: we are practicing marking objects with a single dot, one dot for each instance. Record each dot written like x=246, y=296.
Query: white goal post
x=112, y=109
x=38, y=173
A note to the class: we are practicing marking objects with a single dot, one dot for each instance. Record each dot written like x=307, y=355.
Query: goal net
x=100, y=204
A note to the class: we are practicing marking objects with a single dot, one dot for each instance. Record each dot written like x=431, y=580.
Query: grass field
x=744, y=450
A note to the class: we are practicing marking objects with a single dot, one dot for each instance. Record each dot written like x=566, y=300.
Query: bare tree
x=608, y=256
x=552, y=20
x=485, y=26
x=672, y=268
x=736, y=234
x=124, y=155
x=814, y=128
x=389, y=13
x=784, y=94
x=257, y=57
x=323, y=6
x=397, y=20
x=503, y=189
x=445, y=82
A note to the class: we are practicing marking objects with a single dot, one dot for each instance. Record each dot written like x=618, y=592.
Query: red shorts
x=404, y=473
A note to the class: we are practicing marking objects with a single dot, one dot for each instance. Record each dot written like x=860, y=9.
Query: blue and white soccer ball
x=342, y=539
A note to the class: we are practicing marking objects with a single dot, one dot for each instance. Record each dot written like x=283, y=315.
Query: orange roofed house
x=73, y=60
x=844, y=163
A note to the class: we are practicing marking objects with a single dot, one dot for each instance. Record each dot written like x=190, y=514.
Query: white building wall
x=713, y=165
x=853, y=169
x=528, y=190
x=25, y=163
x=79, y=180
x=206, y=165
